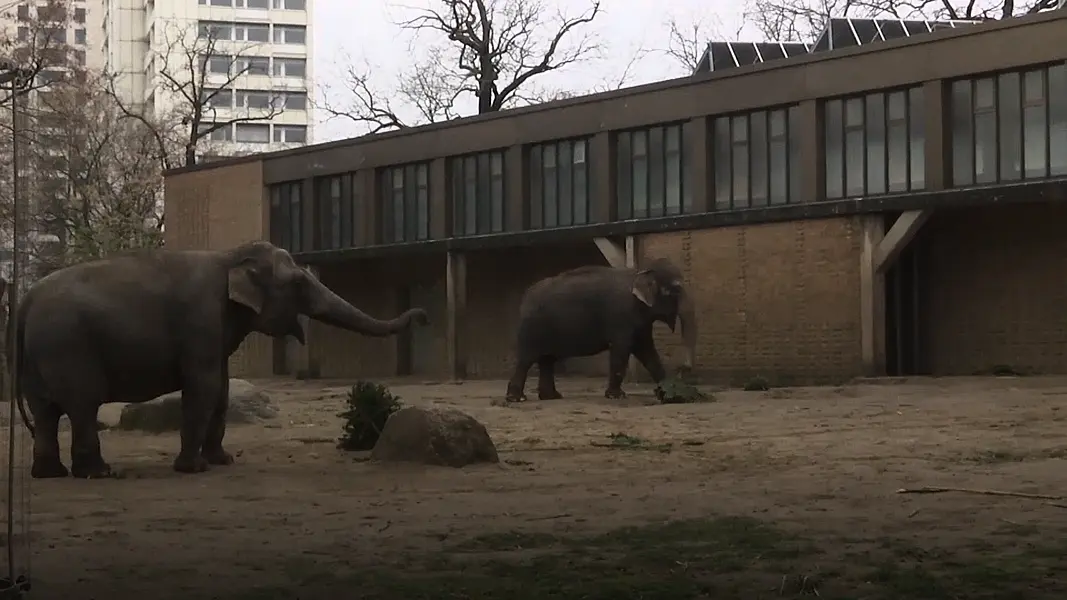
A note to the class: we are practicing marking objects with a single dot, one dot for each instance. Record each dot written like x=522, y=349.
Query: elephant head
x=266, y=279
x=659, y=287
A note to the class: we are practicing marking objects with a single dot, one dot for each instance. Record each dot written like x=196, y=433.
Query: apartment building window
x=290, y=34
x=217, y=98
x=217, y=2
x=291, y=134
x=290, y=67
x=79, y=15
x=24, y=12
x=650, y=172
x=1010, y=126
x=218, y=64
x=293, y=100
x=253, y=65
x=47, y=77
x=254, y=99
x=287, y=216
x=335, y=211
x=79, y=57
x=215, y=30
x=246, y=32
x=79, y=36
x=290, y=4
x=875, y=144
x=24, y=34
x=405, y=203
x=56, y=35
x=559, y=183
x=257, y=4
x=477, y=193
x=222, y=134
x=755, y=159
x=253, y=133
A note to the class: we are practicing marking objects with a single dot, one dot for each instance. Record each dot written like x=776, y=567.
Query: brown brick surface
x=778, y=300
x=216, y=209
x=996, y=290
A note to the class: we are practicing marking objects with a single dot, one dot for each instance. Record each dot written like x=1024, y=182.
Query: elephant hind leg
x=86, y=460
x=517, y=384
x=546, y=379
x=46, y=460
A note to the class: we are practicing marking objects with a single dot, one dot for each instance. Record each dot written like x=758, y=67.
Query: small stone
x=434, y=436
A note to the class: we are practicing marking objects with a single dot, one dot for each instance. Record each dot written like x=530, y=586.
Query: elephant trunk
x=327, y=307
x=687, y=316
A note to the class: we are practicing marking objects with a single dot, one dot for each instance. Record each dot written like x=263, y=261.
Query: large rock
x=248, y=404
x=434, y=436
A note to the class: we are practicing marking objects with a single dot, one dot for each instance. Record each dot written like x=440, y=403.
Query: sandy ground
x=824, y=463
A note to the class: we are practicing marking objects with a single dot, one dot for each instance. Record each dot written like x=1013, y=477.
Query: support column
x=872, y=298
x=456, y=291
x=898, y=237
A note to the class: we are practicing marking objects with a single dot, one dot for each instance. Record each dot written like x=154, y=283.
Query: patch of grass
x=369, y=406
x=676, y=390
x=625, y=441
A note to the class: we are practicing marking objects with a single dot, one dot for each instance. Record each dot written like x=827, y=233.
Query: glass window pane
x=739, y=160
x=623, y=177
x=1035, y=127
x=779, y=149
x=422, y=205
x=875, y=124
x=917, y=138
x=985, y=131
x=723, y=185
x=834, y=144
x=673, y=173
x=566, y=160
x=484, y=202
x=760, y=150
x=549, y=216
x=470, y=195
x=411, y=198
x=795, y=161
x=897, y=135
x=581, y=185
x=457, y=196
x=640, y=174
x=1009, y=109
x=854, y=154
x=657, y=157
x=497, y=192
x=962, y=136
x=1057, y=98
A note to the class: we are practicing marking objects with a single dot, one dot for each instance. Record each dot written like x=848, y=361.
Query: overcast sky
x=368, y=33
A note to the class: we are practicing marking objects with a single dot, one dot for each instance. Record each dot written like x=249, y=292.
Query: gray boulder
x=434, y=436
x=248, y=404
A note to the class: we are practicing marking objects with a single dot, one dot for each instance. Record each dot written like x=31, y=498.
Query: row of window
x=54, y=36
x=253, y=32
x=234, y=66
x=257, y=133
x=259, y=4
x=52, y=12
x=254, y=99
x=1007, y=127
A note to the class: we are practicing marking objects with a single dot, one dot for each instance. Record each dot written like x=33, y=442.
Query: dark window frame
x=483, y=174
x=652, y=165
x=405, y=187
x=571, y=189
x=287, y=216
x=335, y=211
x=903, y=130
x=734, y=193
x=1006, y=86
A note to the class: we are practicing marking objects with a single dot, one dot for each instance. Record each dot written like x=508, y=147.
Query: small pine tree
x=369, y=407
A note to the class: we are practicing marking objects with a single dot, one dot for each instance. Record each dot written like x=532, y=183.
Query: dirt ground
x=783, y=493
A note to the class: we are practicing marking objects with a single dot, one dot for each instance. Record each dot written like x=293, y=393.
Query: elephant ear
x=243, y=288
x=645, y=288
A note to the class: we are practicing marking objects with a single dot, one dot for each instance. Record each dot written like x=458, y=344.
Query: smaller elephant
x=585, y=311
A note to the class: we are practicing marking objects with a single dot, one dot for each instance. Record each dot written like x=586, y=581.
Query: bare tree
x=804, y=20
x=687, y=39
x=198, y=72
x=491, y=50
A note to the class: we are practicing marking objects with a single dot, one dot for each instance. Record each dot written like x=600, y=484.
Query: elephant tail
x=15, y=362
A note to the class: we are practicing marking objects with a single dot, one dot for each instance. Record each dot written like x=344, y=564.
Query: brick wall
x=778, y=300
x=216, y=209
x=996, y=290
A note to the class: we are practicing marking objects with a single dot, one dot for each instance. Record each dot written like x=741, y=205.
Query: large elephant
x=133, y=327
x=591, y=309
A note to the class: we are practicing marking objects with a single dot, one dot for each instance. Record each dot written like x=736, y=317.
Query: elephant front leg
x=199, y=395
x=618, y=357
x=546, y=380
x=213, y=452
x=86, y=460
x=517, y=384
x=46, y=460
x=645, y=353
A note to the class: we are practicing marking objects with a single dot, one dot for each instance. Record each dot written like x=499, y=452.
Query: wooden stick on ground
x=941, y=490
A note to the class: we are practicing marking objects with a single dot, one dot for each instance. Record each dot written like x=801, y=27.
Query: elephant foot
x=616, y=394
x=48, y=468
x=197, y=464
x=549, y=395
x=508, y=400
x=217, y=457
x=91, y=469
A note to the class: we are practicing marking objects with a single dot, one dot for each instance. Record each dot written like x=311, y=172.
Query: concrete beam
x=456, y=292
x=612, y=252
x=898, y=237
x=872, y=298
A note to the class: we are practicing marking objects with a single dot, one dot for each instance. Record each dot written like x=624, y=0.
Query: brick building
x=888, y=201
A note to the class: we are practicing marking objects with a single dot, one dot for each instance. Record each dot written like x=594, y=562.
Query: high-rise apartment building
x=258, y=72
